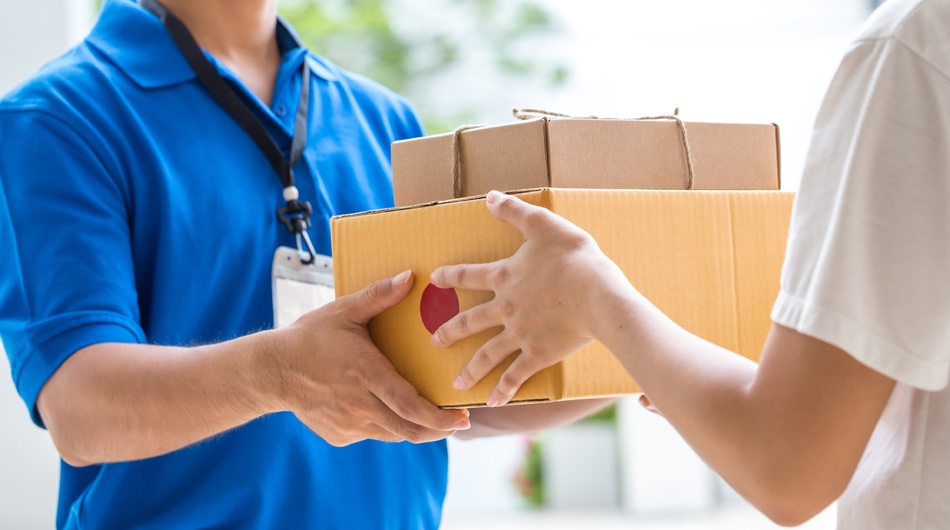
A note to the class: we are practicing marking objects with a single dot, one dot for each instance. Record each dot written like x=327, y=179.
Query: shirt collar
x=136, y=42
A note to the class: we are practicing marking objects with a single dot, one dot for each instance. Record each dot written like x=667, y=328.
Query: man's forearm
x=118, y=402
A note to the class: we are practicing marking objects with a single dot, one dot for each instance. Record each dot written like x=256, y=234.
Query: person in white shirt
x=850, y=398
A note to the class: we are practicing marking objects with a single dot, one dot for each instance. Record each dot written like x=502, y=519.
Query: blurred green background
x=391, y=42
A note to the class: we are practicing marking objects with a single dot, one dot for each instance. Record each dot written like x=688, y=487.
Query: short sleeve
x=66, y=274
x=868, y=256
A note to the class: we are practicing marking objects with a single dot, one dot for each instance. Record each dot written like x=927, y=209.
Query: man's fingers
x=379, y=296
x=477, y=277
x=527, y=218
x=526, y=364
x=397, y=429
x=466, y=324
x=403, y=400
x=486, y=358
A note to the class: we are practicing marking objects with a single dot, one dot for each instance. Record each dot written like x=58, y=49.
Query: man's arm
x=787, y=434
x=118, y=402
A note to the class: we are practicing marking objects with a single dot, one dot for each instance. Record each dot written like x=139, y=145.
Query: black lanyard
x=295, y=214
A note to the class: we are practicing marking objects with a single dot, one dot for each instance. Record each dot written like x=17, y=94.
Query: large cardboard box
x=709, y=259
x=586, y=153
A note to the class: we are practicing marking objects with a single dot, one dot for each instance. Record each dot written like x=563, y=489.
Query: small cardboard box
x=710, y=260
x=586, y=153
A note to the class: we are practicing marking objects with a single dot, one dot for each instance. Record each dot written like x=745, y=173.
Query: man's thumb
x=379, y=296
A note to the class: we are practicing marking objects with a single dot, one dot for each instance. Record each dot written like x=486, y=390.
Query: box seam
x=778, y=156
x=547, y=151
x=735, y=271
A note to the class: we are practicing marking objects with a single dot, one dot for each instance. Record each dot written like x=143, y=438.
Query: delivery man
x=146, y=179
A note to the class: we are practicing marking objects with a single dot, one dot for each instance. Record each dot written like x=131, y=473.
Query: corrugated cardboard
x=708, y=259
x=587, y=153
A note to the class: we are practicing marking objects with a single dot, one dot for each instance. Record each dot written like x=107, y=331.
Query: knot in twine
x=530, y=114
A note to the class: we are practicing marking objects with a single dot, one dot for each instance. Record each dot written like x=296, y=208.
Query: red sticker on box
x=438, y=306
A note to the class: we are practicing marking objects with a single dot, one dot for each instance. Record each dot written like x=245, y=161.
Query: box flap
x=504, y=157
x=632, y=154
x=735, y=156
x=616, y=154
x=422, y=170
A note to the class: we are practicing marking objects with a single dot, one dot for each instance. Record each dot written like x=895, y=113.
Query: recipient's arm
x=117, y=402
x=787, y=434
x=529, y=418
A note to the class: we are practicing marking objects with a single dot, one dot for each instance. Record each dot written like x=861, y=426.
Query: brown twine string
x=528, y=114
x=457, y=159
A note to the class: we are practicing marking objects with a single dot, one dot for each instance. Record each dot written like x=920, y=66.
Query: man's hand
x=331, y=375
x=114, y=402
x=542, y=297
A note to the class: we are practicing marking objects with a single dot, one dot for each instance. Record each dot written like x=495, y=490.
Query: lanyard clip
x=296, y=216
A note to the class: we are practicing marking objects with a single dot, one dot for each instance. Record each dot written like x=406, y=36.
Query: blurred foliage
x=529, y=480
x=607, y=415
x=408, y=44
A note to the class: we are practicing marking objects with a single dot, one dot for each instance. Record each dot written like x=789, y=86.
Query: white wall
x=35, y=31
x=29, y=466
x=31, y=33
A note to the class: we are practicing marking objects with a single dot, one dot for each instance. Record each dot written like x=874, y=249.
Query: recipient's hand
x=545, y=296
x=330, y=374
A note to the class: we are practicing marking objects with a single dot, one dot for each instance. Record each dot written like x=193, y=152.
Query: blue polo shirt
x=134, y=209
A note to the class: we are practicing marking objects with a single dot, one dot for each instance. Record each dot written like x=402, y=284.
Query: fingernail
x=492, y=197
x=462, y=425
x=435, y=339
x=493, y=401
x=401, y=279
x=644, y=401
x=458, y=384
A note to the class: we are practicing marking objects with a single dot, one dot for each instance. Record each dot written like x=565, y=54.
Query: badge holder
x=301, y=279
x=299, y=287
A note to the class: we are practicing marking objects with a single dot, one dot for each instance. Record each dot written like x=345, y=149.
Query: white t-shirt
x=868, y=262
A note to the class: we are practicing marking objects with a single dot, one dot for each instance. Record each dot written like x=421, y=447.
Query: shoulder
x=375, y=101
x=71, y=107
x=70, y=88
x=919, y=27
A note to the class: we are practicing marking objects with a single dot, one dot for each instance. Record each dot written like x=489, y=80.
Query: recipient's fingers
x=647, y=404
x=526, y=364
x=486, y=358
x=401, y=398
x=475, y=277
x=466, y=324
x=527, y=218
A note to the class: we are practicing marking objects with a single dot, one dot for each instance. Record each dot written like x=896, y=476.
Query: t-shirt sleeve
x=66, y=274
x=868, y=256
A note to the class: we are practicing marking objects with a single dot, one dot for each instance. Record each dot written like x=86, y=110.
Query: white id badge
x=299, y=288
